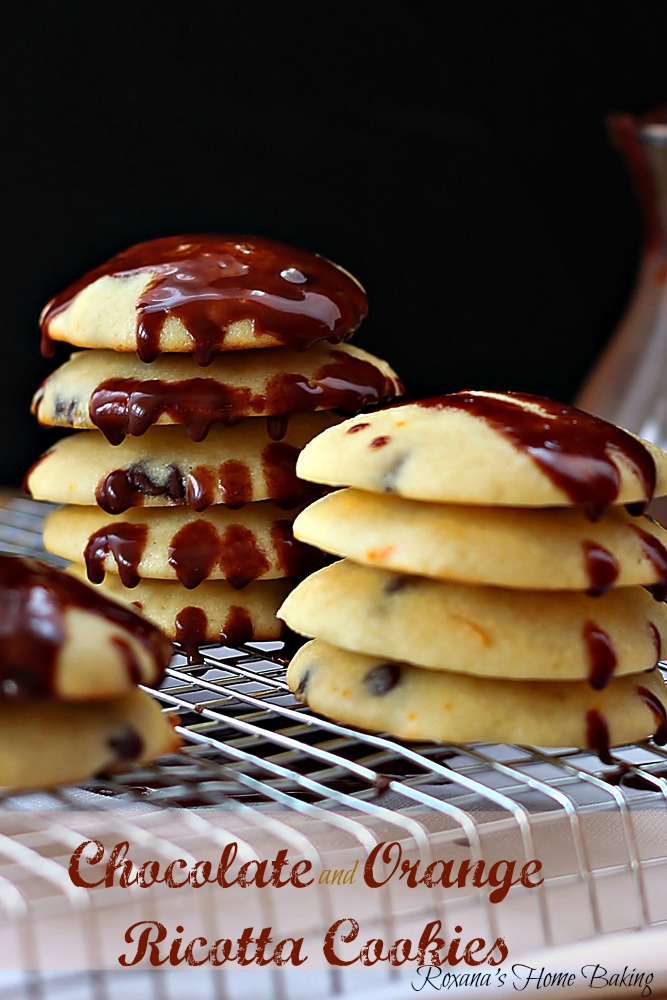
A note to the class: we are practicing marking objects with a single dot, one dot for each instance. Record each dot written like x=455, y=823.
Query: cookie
x=486, y=631
x=234, y=465
x=47, y=743
x=490, y=449
x=416, y=704
x=213, y=613
x=535, y=549
x=254, y=543
x=121, y=396
x=206, y=293
x=60, y=639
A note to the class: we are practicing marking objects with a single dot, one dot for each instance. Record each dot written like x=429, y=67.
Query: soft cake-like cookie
x=206, y=293
x=492, y=449
x=416, y=704
x=234, y=465
x=254, y=543
x=60, y=639
x=46, y=743
x=120, y=395
x=486, y=631
x=535, y=549
x=215, y=612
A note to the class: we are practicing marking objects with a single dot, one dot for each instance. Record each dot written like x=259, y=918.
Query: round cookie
x=234, y=465
x=532, y=549
x=254, y=543
x=205, y=293
x=120, y=395
x=415, y=704
x=485, y=631
x=60, y=639
x=491, y=449
x=47, y=743
x=213, y=613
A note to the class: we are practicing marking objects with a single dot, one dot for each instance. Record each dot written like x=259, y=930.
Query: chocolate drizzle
x=191, y=632
x=238, y=627
x=34, y=598
x=576, y=450
x=656, y=553
x=210, y=281
x=601, y=656
x=125, y=488
x=231, y=484
x=122, y=406
x=125, y=542
x=602, y=568
x=657, y=641
x=597, y=735
x=658, y=709
x=197, y=549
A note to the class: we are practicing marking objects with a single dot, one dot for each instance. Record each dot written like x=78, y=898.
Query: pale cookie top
x=61, y=639
x=487, y=631
x=536, y=549
x=492, y=449
x=120, y=395
x=206, y=293
x=48, y=743
x=236, y=464
x=417, y=704
x=253, y=543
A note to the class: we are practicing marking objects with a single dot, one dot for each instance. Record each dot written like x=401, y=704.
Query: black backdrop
x=451, y=154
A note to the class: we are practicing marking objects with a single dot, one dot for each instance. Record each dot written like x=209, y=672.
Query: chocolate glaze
x=122, y=540
x=295, y=558
x=601, y=656
x=602, y=568
x=574, y=449
x=240, y=556
x=658, y=709
x=238, y=627
x=34, y=598
x=125, y=488
x=597, y=736
x=276, y=427
x=191, y=632
x=122, y=406
x=656, y=552
x=657, y=641
x=129, y=659
x=210, y=281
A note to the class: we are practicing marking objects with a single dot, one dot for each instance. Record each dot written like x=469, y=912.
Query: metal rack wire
x=256, y=765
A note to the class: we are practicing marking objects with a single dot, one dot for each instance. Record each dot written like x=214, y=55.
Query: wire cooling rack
x=257, y=765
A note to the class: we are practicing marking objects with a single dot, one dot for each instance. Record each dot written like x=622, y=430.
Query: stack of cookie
x=493, y=588
x=211, y=361
x=70, y=663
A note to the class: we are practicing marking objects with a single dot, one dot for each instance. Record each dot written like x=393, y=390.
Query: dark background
x=450, y=154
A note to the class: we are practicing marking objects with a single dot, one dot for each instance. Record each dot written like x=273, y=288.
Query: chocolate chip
x=356, y=427
x=391, y=473
x=383, y=678
x=175, y=484
x=396, y=583
x=300, y=692
x=380, y=442
x=127, y=745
